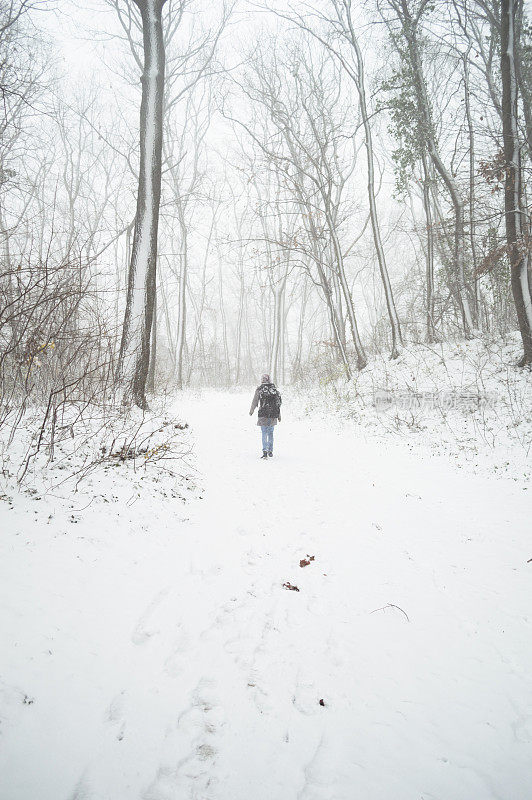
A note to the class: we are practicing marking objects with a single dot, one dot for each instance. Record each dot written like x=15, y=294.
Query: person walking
x=268, y=399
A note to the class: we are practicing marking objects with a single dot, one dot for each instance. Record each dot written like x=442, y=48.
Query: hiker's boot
x=270, y=454
x=264, y=454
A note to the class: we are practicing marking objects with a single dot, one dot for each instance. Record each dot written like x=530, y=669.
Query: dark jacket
x=263, y=419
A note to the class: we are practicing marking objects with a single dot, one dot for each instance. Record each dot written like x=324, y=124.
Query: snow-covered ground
x=150, y=650
x=464, y=400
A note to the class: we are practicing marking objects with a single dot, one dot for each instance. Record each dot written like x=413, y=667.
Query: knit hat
x=265, y=378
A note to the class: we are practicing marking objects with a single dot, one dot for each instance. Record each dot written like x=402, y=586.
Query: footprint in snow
x=522, y=728
x=192, y=774
x=115, y=714
x=306, y=699
x=82, y=790
x=145, y=627
x=173, y=664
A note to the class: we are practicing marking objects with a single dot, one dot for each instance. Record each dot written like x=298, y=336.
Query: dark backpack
x=269, y=401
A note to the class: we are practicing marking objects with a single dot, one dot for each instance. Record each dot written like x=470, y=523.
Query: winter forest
x=233, y=220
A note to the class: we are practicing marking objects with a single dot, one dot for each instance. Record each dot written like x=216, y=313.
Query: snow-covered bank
x=45, y=451
x=467, y=401
x=151, y=651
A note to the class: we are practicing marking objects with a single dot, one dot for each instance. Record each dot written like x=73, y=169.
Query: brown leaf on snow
x=304, y=562
x=322, y=702
x=288, y=585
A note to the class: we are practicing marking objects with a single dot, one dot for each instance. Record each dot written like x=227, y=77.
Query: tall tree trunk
x=517, y=247
x=227, y=362
x=153, y=349
x=471, y=132
x=335, y=323
x=199, y=308
x=135, y=346
x=431, y=330
x=182, y=302
x=338, y=301
x=296, y=365
x=239, y=324
x=8, y=287
x=284, y=342
x=276, y=357
x=278, y=286
x=169, y=327
x=276, y=338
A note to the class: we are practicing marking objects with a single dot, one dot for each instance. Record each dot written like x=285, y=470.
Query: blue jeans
x=267, y=438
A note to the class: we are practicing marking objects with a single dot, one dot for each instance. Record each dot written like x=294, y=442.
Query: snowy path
x=160, y=657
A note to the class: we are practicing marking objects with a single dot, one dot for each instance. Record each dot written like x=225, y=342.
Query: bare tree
x=138, y=317
x=409, y=14
x=518, y=247
x=301, y=142
x=342, y=28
